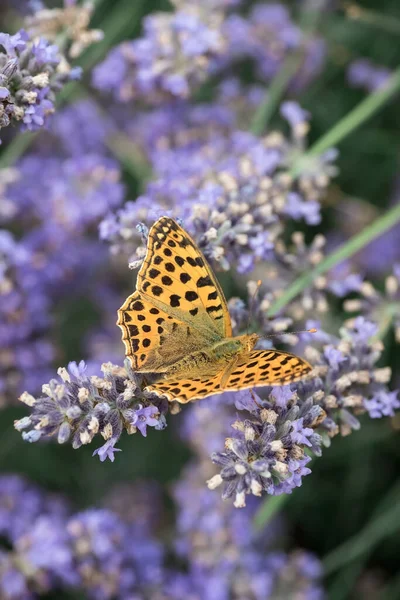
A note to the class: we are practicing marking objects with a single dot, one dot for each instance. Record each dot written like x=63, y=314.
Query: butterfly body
x=210, y=360
x=176, y=325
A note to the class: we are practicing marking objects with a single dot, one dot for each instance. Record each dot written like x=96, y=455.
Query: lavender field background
x=271, y=130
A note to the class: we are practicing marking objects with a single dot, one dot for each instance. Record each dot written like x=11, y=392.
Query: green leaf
x=345, y=251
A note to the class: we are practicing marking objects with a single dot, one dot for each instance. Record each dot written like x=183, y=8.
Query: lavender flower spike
x=77, y=407
x=267, y=452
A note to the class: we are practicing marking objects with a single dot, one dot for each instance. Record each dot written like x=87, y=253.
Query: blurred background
x=355, y=48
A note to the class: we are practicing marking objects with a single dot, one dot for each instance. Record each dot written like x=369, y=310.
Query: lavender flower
x=53, y=213
x=267, y=36
x=227, y=559
x=91, y=129
x=234, y=194
x=178, y=51
x=105, y=556
x=350, y=382
x=79, y=407
x=78, y=191
x=24, y=318
x=21, y=504
x=113, y=559
x=30, y=75
x=174, y=55
x=267, y=451
x=363, y=73
x=50, y=550
x=70, y=22
x=381, y=307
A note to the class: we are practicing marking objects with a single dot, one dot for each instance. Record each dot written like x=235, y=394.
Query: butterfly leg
x=227, y=373
x=254, y=398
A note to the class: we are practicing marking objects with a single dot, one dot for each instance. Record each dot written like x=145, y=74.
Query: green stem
x=385, y=524
x=389, y=24
x=116, y=26
x=350, y=122
x=268, y=510
x=126, y=151
x=280, y=82
x=119, y=23
x=348, y=249
x=274, y=94
x=16, y=148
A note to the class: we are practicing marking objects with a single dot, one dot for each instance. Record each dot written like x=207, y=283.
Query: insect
x=177, y=325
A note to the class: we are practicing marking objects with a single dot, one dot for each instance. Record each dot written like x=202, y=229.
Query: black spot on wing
x=191, y=296
x=213, y=308
x=204, y=281
x=156, y=290
x=137, y=305
x=184, y=277
x=174, y=300
x=133, y=330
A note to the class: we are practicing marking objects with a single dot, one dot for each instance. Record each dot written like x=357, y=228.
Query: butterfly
x=177, y=325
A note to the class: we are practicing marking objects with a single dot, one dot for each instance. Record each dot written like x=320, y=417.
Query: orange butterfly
x=176, y=324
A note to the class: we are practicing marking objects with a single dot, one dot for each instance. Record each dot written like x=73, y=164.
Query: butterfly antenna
x=271, y=335
x=251, y=304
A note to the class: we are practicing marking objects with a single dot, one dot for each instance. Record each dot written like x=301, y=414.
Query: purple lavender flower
x=363, y=73
x=54, y=213
x=382, y=308
x=267, y=451
x=227, y=558
x=174, y=56
x=24, y=319
x=75, y=194
x=233, y=194
x=69, y=23
x=347, y=381
x=28, y=71
x=78, y=407
x=91, y=129
x=267, y=36
x=94, y=551
x=21, y=503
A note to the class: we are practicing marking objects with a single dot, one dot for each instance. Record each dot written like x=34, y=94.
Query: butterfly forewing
x=178, y=306
x=176, y=273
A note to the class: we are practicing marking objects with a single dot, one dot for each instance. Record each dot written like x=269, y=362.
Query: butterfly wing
x=186, y=390
x=176, y=273
x=267, y=367
x=175, y=280
x=145, y=331
x=257, y=368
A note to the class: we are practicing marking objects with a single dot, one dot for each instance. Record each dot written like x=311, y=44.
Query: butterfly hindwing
x=266, y=367
x=257, y=368
x=186, y=390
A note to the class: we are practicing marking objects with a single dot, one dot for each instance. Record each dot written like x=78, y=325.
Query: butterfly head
x=250, y=340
